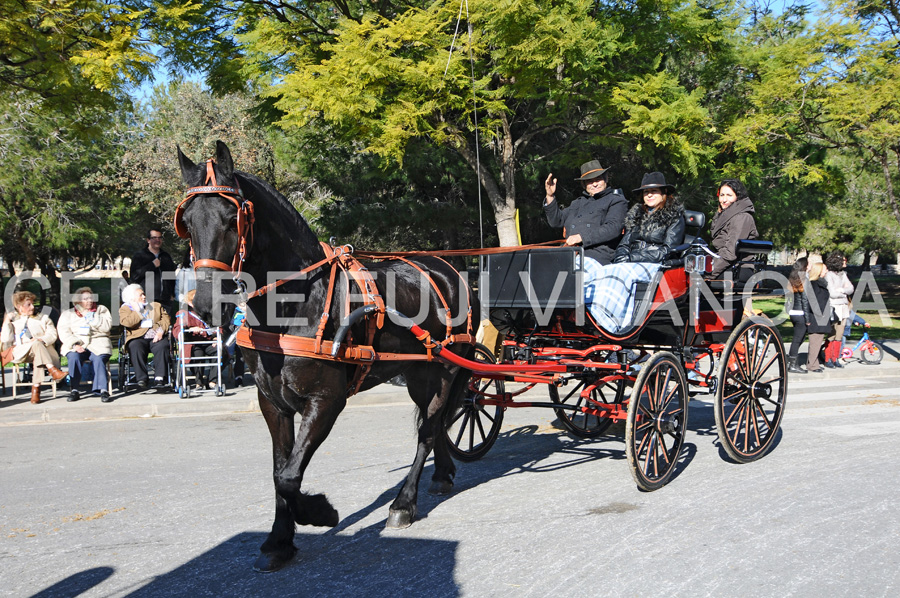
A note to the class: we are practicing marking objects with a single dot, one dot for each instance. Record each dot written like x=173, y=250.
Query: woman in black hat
x=595, y=219
x=652, y=229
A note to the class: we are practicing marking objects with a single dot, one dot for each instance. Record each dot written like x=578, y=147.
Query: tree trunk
x=889, y=185
x=503, y=205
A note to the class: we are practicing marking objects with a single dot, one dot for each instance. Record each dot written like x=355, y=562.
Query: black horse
x=317, y=389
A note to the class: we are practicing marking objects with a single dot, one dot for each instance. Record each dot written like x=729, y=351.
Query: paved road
x=160, y=506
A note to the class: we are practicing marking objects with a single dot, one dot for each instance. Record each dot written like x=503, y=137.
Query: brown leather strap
x=383, y=255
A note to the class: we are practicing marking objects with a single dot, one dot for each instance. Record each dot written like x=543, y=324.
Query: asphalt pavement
x=164, y=402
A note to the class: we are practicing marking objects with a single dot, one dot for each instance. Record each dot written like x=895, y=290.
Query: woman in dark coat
x=733, y=221
x=798, y=311
x=654, y=228
x=819, y=316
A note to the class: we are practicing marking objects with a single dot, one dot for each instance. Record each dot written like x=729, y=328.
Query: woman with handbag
x=819, y=316
x=27, y=337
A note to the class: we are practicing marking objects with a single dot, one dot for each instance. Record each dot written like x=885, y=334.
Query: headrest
x=692, y=218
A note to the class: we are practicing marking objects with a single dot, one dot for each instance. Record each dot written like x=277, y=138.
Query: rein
x=244, y=224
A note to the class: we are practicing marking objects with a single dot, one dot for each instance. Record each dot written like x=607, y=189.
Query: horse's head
x=218, y=221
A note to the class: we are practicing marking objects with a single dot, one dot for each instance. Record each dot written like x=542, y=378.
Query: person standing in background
x=148, y=267
x=798, y=310
x=820, y=324
x=840, y=289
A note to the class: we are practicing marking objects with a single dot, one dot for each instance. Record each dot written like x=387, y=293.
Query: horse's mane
x=286, y=212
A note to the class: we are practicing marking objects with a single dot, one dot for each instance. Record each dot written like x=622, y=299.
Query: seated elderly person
x=84, y=333
x=195, y=330
x=146, y=327
x=733, y=222
x=653, y=228
x=27, y=337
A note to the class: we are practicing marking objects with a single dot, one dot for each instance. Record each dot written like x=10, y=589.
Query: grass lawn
x=889, y=289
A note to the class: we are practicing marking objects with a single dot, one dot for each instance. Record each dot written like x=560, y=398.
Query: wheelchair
x=127, y=376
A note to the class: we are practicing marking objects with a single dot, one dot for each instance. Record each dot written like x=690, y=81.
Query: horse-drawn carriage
x=688, y=335
x=326, y=325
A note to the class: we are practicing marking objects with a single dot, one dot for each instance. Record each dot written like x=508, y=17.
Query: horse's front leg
x=317, y=420
x=430, y=391
x=278, y=549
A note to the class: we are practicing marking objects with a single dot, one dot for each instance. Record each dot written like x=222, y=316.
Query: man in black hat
x=595, y=220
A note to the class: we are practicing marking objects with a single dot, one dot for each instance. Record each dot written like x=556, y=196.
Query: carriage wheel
x=473, y=428
x=579, y=423
x=872, y=354
x=752, y=387
x=657, y=420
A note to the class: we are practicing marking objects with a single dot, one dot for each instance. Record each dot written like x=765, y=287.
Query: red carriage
x=689, y=336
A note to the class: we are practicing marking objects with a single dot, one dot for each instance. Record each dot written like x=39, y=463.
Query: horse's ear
x=188, y=168
x=223, y=160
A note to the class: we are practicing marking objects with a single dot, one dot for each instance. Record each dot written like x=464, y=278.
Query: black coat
x=142, y=268
x=799, y=302
x=817, y=292
x=599, y=220
x=650, y=236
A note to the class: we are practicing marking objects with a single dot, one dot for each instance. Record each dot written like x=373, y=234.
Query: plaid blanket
x=609, y=292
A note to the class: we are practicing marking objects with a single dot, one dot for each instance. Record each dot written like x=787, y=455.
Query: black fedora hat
x=591, y=170
x=654, y=180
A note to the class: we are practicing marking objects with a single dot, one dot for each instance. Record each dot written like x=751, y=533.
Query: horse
x=240, y=225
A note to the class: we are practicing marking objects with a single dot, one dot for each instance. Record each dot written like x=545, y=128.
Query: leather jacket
x=650, y=236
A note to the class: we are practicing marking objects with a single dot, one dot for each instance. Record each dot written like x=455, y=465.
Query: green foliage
x=147, y=175
x=46, y=212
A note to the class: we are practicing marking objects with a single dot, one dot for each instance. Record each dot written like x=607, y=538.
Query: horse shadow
x=518, y=451
x=77, y=583
x=331, y=566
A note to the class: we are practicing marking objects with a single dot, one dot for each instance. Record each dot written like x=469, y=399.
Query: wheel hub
x=761, y=390
x=666, y=423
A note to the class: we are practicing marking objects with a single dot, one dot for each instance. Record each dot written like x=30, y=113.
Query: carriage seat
x=694, y=221
x=753, y=255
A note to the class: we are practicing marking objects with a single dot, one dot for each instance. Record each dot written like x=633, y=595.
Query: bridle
x=244, y=225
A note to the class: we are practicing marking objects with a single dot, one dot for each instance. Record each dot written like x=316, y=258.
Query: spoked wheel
x=473, y=428
x=657, y=421
x=579, y=423
x=752, y=390
x=872, y=354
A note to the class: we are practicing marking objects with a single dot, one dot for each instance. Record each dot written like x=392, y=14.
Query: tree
x=145, y=174
x=47, y=214
x=539, y=67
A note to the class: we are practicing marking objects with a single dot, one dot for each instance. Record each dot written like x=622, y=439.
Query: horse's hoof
x=398, y=519
x=271, y=562
x=440, y=487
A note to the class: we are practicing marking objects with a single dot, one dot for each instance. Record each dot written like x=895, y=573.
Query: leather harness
x=339, y=258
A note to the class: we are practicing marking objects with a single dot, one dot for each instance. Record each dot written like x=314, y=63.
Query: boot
x=56, y=373
x=35, y=394
x=793, y=368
